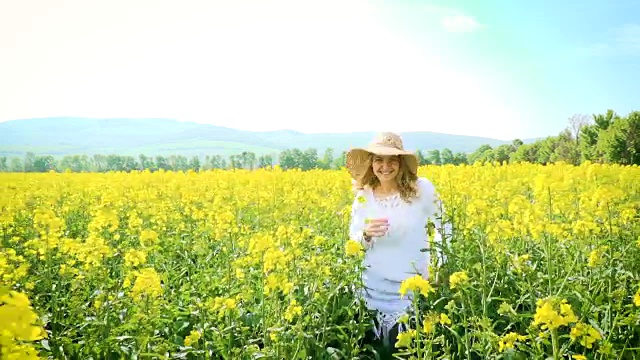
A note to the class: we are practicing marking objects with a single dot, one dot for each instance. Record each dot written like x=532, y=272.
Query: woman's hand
x=376, y=227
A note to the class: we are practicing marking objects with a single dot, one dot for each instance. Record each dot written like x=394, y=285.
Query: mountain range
x=61, y=136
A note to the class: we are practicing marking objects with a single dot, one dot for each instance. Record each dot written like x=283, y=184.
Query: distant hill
x=68, y=136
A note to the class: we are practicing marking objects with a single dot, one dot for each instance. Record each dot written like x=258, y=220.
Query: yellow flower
x=578, y=357
x=415, y=284
x=428, y=324
x=458, y=278
x=192, y=338
x=520, y=263
x=587, y=334
x=636, y=298
x=509, y=341
x=595, y=257
x=548, y=316
x=403, y=319
x=274, y=336
x=353, y=247
x=147, y=283
x=148, y=237
x=405, y=338
x=18, y=318
x=134, y=258
x=230, y=304
x=19, y=326
x=292, y=310
x=444, y=319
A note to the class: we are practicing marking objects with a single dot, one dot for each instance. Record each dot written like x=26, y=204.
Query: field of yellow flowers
x=542, y=261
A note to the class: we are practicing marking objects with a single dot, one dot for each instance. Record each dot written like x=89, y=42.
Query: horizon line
x=264, y=131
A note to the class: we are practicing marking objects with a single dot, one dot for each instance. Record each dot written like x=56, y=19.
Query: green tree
x=309, y=159
x=620, y=142
x=502, y=153
x=433, y=156
x=422, y=160
x=16, y=165
x=129, y=163
x=287, y=159
x=480, y=154
x=603, y=121
x=327, y=159
x=194, y=163
x=235, y=161
x=565, y=148
x=340, y=161
x=99, y=163
x=446, y=156
x=44, y=163
x=588, y=141
x=28, y=162
x=460, y=158
x=147, y=162
x=265, y=161
x=216, y=162
x=75, y=163
x=162, y=163
x=526, y=153
x=248, y=160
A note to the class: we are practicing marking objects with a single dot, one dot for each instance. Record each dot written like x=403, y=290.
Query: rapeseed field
x=541, y=261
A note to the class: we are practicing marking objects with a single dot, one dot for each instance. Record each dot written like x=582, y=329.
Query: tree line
x=601, y=138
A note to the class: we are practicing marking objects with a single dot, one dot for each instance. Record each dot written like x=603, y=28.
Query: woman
x=389, y=217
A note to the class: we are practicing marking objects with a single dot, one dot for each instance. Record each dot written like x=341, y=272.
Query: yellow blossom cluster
x=552, y=314
x=147, y=283
x=458, y=278
x=192, y=338
x=416, y=284
x=586, y=333
x=510, y=340
x=353, y=247
x=18, y=326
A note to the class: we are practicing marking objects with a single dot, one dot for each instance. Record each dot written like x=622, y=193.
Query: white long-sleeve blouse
x=398, y=254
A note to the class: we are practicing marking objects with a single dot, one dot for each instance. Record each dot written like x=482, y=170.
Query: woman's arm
x=358, y=217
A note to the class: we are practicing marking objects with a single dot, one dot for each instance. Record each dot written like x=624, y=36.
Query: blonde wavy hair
x=407, y=181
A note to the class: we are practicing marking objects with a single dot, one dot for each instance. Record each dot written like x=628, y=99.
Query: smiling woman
x=389, y=216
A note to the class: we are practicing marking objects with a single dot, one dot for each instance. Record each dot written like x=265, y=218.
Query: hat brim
x=357, y=159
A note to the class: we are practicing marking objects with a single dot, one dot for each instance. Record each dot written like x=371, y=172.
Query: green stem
x=548, y=244
x=204, y=338
x=229, y=336
x=466, y=333
x=554, y=343
x=417, y=311
x=483, y=281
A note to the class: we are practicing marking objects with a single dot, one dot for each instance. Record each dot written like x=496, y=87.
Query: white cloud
x=452, y=19
x=460, y=23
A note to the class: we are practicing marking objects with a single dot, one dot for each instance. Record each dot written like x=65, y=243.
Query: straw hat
x=384, y=144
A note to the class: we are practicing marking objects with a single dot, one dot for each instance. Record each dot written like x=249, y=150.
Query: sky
x=500, y=69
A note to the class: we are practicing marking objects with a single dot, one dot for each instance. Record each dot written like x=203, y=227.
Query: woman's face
x=386, y=168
